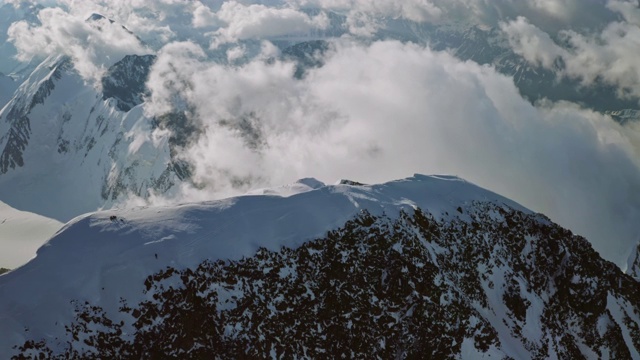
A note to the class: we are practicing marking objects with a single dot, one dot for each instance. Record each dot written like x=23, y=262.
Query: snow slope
x=99, y=259
x=21, y=234
x=60, y=139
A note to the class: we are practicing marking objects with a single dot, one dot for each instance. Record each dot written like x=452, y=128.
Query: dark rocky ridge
x=307, y=55
x=125, y=81
x=491, y=278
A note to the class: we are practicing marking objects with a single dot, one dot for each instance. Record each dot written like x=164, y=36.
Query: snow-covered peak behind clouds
x=133, y=102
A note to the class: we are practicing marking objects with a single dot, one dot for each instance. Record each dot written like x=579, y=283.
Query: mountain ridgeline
x=469, y=279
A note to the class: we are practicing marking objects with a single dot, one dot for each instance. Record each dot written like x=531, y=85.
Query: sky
x=378, y=109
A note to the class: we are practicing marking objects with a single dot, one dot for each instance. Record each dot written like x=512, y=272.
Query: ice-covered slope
x=21, y=234
x=429, y=266
x=62, y=138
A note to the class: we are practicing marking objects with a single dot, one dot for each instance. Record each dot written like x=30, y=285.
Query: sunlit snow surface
x=81, y=152
x=107, y=255
x=21, y=234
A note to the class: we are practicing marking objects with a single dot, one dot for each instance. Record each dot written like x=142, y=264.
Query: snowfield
x=21, y=234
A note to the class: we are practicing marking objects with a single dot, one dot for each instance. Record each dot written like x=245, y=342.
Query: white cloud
x=93, y=45
x=415, y=10
x=155, y=22
x=170, y=77
x=561, y=9
x=363, y=24
x=259, y=22
x=630, y=10
x=236, y=53
x=609, y=56
x=365, y=17
x=535, y=45
x=551, y=15
x=373, y=113
x=204, y=17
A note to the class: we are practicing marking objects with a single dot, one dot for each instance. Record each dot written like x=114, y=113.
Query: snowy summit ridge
x=425, y=266
x=117, y=249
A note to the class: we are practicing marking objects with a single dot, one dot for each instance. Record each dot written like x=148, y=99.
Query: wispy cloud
x=241, y=22
x=607, y=56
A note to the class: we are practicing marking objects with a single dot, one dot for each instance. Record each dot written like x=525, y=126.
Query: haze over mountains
x=115, y=104
x=173, y=101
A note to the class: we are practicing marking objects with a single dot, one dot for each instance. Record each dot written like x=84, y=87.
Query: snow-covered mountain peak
x=59, y=132
x=117, y=249
x=298, y=187
x=300, y=211
x=428, y=265
x=97, y=17
x=311, y=182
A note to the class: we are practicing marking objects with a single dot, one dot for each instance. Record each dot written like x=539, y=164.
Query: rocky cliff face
x=125, y=81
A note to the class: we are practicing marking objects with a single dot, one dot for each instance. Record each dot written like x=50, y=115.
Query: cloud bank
x=608, y=56
x=242, y=22
x=93, y=45
x=385, y=110
x=379, y=109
